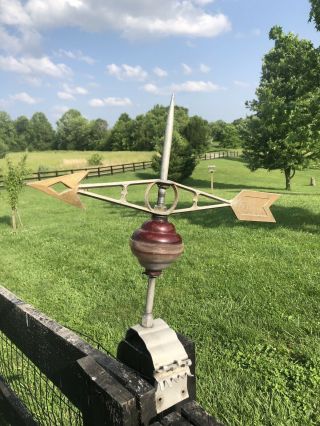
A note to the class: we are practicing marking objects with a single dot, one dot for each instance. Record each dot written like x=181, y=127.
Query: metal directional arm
x=247, y=205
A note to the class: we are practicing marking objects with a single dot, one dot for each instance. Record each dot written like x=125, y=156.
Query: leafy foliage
x=227, y=135
x=3, y=149
x=14, y=180
x=284, y=132
x=182, y=158
x=40, y=135
x=315, y=13
x=72, y=131
x=95, y=159
x=7, y=132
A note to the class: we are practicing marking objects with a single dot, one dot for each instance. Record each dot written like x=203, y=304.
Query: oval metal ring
x=158, y=211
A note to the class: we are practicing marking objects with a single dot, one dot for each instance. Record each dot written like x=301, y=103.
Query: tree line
x=143, y=133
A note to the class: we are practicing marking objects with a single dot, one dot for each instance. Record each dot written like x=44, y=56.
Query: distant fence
x=119, y=168
x=219, y=154
x=92, y=171
x=49, y=376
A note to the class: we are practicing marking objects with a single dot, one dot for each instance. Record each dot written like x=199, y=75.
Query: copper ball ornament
x=156, y=245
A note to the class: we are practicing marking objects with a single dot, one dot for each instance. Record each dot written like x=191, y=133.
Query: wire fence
x=47, y=404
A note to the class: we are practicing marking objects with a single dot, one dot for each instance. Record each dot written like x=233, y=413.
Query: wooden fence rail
x=50, y=376
x=118, y=168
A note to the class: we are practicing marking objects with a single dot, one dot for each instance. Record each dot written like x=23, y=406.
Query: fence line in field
x=119, y=168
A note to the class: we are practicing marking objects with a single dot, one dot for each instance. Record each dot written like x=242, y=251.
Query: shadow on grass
x=6, y=220
x=294, y=218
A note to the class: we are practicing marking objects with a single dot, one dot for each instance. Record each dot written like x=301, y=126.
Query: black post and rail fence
x=118, y=168
x=50, y=376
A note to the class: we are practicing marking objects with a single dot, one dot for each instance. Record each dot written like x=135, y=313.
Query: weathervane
x=152, y=347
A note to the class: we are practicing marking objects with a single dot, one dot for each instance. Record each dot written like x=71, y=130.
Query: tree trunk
x=14, y=220
x=289, y=172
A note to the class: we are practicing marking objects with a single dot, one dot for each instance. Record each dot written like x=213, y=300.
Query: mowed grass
x=66, y=160
x=248, y=294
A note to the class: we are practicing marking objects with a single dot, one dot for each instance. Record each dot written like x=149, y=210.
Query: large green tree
x=8, y=135
x=315, y=13
x=119, y=139
x=40, y=133
x=197, y=133
x=98, y=135
x=72, y=131
x=284, y=131
x=21, y=125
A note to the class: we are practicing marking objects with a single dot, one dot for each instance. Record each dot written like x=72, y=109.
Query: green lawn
x=65, y=160
x=247, y=293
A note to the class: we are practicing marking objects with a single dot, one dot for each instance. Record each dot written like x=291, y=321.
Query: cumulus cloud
x=187, y=86
x=159, y=72
x=32, y=65
x=69, y=92
x=111, y=101
x=65, y=96
x=131, y=19
x=127, y=72
x=204, y=68
x=151, y=88
x=195, y=86
x=186, y=69
x=25, y=97
x=76, y=55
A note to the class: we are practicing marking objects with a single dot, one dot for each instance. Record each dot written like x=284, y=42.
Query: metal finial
x=167, y=142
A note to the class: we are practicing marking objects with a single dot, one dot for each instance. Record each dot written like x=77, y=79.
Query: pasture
x=66, y=160
x=248, y=294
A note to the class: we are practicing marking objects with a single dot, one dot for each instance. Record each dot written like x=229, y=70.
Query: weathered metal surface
x=156, y=245
x=69, y=195
x=171, y=365
x=254, y=206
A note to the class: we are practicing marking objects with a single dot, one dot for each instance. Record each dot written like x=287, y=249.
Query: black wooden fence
x=50, y=376
x=119, y=168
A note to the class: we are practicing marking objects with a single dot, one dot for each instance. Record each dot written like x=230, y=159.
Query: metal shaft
x=147, y=319
x=167, y=142
x=166, y=155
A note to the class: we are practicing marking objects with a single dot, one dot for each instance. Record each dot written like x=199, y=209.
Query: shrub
x=182, y=159
x=13, y=183
x=95, y=160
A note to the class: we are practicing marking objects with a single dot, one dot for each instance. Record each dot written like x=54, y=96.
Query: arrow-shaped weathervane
x=154, y=255
x=247, y=205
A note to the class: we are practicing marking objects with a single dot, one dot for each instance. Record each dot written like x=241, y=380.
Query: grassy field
x=65, y=160
x=247, y=293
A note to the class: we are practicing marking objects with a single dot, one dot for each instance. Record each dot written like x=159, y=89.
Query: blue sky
x=106, y=57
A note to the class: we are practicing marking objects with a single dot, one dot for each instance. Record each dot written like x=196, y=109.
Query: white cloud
x=127, y=72
x=242, y=84
x=131, y=18
x=195, y=86
x=74, y=90
x=111, y=101
x=204, y=68
x=32, y=65
x=25, y=97
x=159, y=72
x=96, y=102
x=187, y=86
x=33, y=81
x=65, y=95
x=76, y=55
x=186, y=69
x=151, y=88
